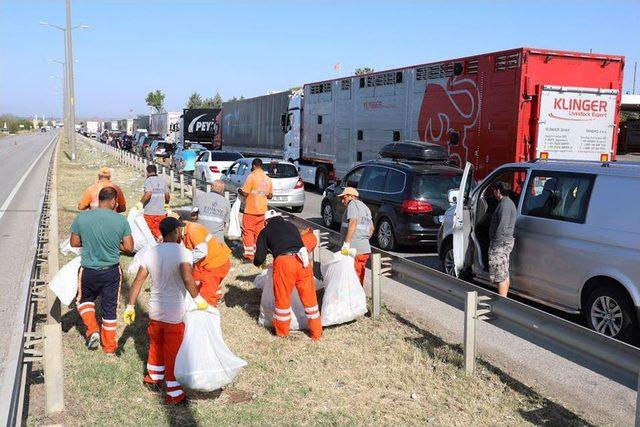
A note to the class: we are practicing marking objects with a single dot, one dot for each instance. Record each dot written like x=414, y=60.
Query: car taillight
x=214, y=169
x=416, y=206
x=299, y=184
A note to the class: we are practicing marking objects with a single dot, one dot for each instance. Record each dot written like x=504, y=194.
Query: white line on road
x=13, y=193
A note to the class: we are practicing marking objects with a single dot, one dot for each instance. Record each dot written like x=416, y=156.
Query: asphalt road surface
x=25, y=163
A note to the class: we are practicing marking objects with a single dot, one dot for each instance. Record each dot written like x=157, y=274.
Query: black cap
x=169, y=224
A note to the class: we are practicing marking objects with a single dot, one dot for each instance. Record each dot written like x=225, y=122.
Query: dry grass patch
x=385, y=371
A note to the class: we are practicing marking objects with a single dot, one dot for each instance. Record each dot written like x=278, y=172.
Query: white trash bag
x=264, y=281
x=65, y=282
x=66, y=248
x=344, y=298
x=137, y=258
x=140, y=231
x=204, y=362
x=235, y=231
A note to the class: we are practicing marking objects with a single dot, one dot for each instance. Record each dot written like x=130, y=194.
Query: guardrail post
x=173, y=180
x=208, y=188
x=52, y=331
x=193, y=191
x=316, y=250
x=226, y=196
x=181, y=177
x=470, y=315
x=164, y=174
x=375, y=284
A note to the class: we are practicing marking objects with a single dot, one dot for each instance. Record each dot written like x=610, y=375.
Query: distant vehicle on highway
x=211, y=163
x=159, y=149
x=288, y=188
x=577, y=237
x=406, y=191
x=43, y=129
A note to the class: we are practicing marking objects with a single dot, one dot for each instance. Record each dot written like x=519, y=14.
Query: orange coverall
x=360, y=265
x=257, y=186
x=90, y=196
x=164, y=343
x=211, y=270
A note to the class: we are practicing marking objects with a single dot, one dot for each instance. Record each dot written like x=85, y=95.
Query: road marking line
x=13, y=193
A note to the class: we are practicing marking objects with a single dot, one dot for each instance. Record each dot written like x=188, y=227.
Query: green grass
x=387, y=371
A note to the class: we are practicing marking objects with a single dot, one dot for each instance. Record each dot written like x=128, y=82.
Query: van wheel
x=385, y=235
x=322, y=178
x=609, y=311
x=448, y=263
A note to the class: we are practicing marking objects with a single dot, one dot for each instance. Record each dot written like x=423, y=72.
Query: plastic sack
x=133, y=267
x=66, y=248
x=264, y=281
x=234, y=231
x=140, y=232
x=204, y=362
x=65, y=282
x=344, y=298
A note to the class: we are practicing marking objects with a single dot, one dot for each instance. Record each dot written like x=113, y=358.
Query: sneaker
x=93, y=341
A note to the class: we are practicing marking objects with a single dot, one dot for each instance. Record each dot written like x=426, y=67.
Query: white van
x=577, y=237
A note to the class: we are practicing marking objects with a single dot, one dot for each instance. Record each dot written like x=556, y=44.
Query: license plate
x=279, y=198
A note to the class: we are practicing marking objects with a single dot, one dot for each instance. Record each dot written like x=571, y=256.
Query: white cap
x=271, y=213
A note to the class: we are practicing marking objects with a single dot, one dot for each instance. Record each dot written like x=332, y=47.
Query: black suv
x=406, y=196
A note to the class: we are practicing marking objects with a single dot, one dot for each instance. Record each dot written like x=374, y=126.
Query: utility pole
x=65, y=89
x=71, y=90
x=635, y=68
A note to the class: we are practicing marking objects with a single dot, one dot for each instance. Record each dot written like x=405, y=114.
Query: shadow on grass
x=67, y=155
x=247, y=299
x=548, y=413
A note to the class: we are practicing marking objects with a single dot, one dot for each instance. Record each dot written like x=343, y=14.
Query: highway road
x=25, y=163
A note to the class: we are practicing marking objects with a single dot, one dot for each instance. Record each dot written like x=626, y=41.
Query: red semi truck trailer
x=488, y=109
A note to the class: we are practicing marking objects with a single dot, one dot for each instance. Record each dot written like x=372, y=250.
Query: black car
x=406, y=196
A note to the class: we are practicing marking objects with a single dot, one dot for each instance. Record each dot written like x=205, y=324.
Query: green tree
x=216, y=101
x=195, y=101
x=155, y=100
x=363, y=71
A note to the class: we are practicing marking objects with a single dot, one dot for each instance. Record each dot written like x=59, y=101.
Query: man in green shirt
x=102, y=234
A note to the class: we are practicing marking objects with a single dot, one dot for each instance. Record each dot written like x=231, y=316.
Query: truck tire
x=322, y=178
x=609, y=311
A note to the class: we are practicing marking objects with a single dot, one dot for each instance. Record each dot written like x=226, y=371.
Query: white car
x=288, y=188
x=211, y=163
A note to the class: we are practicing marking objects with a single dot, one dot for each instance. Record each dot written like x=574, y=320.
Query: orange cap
x=104, y=171
x=349, y=191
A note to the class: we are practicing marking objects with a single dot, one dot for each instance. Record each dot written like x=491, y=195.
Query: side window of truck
x=559, y=196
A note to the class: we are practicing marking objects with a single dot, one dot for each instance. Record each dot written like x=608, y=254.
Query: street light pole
x=65, y=107
x=70, y=88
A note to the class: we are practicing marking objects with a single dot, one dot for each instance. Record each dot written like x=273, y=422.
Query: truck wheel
x=322, y=178
x=609, y=311
x=385, y=235
x=328, y=215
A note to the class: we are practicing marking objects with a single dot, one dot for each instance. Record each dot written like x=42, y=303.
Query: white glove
x=201, y=303
x=345, y=248
x=304, y=256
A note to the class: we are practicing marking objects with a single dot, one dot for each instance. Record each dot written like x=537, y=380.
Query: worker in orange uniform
x=90, y=196
x=356, y=230
x=155, y=200
x=291, y=268
x=211, y=260
x=170, y=267
x=257, y=189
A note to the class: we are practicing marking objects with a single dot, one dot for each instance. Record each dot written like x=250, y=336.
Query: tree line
x=155, y=100
x=13, y=123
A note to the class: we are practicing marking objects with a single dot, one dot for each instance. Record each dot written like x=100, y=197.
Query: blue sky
x=251, y=47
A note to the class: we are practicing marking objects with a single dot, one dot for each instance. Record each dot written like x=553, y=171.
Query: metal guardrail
x=610, y=358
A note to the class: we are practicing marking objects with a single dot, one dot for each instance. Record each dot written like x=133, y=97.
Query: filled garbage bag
x=264, y=281
x=344, y=298
x=65, y=282
x=204, y=362
x=66, y=248
x=137, y=258
x=140, y=232
x=234, y=231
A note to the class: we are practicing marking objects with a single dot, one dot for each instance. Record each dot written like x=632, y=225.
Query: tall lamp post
x=65, y=107
x=68, y=54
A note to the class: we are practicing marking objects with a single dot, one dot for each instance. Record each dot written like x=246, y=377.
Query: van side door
x=550, y=251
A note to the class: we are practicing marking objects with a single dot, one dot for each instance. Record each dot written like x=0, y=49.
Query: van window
x=395, y=181
x=435, y=186
x=373, y=178
x=561, y=196
x=353, y=179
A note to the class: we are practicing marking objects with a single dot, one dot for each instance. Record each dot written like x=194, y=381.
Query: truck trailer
x=199, y=126
x=489, y=109
x=164, y=125
x=92, y=128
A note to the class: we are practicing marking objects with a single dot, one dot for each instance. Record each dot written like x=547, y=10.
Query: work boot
x=93, y=341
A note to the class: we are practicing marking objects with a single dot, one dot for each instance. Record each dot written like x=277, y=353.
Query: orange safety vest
x=218, y=253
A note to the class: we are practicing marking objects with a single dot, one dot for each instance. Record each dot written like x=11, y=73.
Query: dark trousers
x=106, y=285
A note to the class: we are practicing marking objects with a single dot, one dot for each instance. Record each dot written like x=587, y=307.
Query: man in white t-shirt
x=170, y=266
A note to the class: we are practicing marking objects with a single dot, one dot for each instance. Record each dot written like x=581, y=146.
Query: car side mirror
x=453, y=196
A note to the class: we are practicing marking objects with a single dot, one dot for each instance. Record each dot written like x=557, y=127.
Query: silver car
x=288, y=188
x=577, y=237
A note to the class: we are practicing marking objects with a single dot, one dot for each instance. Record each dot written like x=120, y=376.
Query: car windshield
x=224, y=156
x=280, y=170
x=435, y=186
